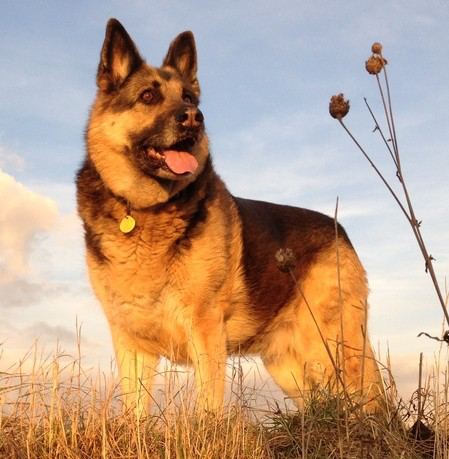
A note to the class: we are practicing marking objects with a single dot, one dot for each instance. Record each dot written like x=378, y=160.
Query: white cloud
x=42, y=267
x=25, y=218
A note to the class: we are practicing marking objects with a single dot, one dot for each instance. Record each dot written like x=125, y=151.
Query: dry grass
x=55, y=409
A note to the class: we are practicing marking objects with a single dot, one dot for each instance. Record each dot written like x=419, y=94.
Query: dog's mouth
x=176, y=158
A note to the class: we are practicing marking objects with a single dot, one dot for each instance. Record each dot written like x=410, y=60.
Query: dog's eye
x=187, y=99
x=147, y=96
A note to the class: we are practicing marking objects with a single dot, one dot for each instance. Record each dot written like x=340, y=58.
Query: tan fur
x=186, y=317
x=296, y=336
x=179, y=285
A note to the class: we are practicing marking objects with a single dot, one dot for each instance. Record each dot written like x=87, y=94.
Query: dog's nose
x=190, y=117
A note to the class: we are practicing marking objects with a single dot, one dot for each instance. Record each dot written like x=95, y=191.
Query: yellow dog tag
x=127, y=224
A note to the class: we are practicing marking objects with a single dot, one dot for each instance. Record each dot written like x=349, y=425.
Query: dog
x=185, y=270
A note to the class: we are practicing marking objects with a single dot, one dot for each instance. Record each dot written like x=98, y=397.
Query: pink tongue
x=180, y=162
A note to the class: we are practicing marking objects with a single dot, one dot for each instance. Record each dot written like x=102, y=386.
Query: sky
x=267, y=71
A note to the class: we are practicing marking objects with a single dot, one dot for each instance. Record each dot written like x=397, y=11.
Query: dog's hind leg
x=137, y=369
x=333, y=327
x=288, y=373
x=318, y=339
x=299, y=362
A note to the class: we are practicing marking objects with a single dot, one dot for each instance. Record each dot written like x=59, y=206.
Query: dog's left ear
x=182, y=57
x=119, y=57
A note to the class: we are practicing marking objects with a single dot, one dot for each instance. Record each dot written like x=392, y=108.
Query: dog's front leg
x=137, y=370
x=208, y=354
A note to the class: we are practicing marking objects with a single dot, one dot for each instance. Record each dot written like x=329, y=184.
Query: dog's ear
x=119, y=57
x=182, y=57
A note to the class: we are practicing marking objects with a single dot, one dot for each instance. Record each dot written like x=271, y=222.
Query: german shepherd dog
x=184, y=269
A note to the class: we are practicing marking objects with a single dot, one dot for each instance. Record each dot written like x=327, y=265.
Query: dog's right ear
x=119, y=57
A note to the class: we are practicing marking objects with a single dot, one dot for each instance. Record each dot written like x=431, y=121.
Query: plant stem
x=378, y=128
x=376, y=169
x=413, y=221
x=410, y=215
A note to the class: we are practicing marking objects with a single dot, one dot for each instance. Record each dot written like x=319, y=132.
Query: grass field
x=53, y=408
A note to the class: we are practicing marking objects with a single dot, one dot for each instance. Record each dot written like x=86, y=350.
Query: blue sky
x=267, y=71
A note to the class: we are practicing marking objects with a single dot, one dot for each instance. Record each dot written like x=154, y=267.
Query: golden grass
x=53, y=408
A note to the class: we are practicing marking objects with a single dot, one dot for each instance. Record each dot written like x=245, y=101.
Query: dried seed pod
x=285, y=260
x=375, y=64
x=376, y=48
x=338, y=106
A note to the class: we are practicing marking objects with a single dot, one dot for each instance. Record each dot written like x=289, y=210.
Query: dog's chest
x=144, y=286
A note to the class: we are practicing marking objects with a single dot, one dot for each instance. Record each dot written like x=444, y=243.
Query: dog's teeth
x=154, y=154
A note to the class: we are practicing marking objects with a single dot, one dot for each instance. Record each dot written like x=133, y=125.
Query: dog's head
x=146, y=133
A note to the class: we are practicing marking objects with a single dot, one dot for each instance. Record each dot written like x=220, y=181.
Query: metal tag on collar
x=128, y=223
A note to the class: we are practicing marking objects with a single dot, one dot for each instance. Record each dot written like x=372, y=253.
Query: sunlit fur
x=183, y=283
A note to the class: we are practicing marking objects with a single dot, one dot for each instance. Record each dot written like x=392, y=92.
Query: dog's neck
x=167, y=193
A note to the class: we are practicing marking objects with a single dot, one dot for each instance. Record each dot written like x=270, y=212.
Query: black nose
x=190, y=117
